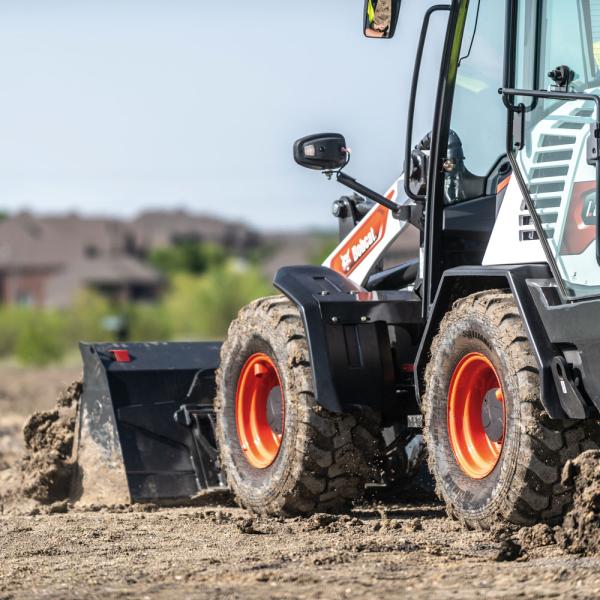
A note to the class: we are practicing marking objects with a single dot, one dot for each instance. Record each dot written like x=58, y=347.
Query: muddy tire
x=309, y=460
x=482, y=354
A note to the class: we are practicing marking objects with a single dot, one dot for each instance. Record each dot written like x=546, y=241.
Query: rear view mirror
x=381, y=17
x=322, y=151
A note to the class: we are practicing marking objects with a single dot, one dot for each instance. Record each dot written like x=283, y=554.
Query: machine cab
x=513, y=154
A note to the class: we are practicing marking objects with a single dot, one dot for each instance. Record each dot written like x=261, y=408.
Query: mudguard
x=347, y=332
x=528, y=284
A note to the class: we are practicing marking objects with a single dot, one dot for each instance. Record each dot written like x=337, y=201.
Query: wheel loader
x=486, y=346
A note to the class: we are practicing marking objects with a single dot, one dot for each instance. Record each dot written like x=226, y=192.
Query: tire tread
x=335, y=454
x=546, y=444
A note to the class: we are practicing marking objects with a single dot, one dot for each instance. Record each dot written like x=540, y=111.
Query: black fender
x=526, y=282
x=347, y=332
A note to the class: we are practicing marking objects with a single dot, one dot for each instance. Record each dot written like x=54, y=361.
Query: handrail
x=413, y=97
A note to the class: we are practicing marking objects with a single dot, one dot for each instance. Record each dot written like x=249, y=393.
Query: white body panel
x=553, y=184
x=506, y=246
x=358, y=253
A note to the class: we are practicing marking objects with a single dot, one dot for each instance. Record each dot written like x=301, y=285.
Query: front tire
x=283, y=454
x=493, y=451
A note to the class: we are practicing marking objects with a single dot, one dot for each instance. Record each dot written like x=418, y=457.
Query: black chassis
x=362, y=344
x=371, y=348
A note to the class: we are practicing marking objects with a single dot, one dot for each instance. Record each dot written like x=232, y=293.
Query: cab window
x=478, y=120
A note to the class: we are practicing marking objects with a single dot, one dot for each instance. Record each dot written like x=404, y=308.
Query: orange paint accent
x=473, y=378
x=371, y=232
x=503, y=184
x=258, y=378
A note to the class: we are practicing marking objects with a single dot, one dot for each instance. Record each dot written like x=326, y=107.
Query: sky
x=111, y=107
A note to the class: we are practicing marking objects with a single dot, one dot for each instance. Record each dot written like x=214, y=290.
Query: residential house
x=47, y=261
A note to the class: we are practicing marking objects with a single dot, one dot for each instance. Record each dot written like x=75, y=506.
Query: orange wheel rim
x=260, y=411
x=476, y=415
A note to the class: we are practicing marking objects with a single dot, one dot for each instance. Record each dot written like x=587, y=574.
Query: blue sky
x=115, y=106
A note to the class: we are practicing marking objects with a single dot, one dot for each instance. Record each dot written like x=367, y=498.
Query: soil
x=580, y=531
x=52, y=549
x=46, y=469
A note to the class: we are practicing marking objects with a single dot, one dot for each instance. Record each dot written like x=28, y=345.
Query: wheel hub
x=476, y=415
x=260, y=411
x=492, y=415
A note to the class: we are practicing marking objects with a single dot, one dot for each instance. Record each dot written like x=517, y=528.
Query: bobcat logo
x=346, y=260
x=359, y=250
x=360, y=242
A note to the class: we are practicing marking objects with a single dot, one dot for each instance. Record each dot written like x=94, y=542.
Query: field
x=397, y=550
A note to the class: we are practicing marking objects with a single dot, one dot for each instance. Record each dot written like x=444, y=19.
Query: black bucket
x=145, y=429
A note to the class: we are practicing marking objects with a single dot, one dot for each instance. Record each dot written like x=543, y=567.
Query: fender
x=559, y=395
x=347, y=330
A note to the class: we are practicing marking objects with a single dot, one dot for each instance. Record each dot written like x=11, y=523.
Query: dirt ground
x=215, y=551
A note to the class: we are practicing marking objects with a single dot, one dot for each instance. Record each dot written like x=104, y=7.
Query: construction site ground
x=217, y=550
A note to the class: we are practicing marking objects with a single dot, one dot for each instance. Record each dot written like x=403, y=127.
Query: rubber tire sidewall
x=472, y=498
x=258, y=487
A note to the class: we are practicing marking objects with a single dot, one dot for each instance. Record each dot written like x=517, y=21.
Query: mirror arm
x=400, y=211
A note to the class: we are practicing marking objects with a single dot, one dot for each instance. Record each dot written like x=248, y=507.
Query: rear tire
x=322, y=460
x=521, y=484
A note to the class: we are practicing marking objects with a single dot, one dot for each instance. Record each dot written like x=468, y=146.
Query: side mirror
x=381, y=18
x=327, y=152
x=322, y=151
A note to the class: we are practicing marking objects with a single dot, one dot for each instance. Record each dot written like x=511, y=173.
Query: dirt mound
x=580, y=532
x=46, y=468
x=538, y=536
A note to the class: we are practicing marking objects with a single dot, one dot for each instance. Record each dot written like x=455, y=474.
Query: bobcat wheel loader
x=489, y=343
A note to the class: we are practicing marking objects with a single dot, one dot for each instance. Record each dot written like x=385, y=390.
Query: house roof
x=154, y=229
x=118, y=271
x=30, y=242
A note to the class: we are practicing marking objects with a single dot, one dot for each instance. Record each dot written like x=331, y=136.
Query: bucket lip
x=154, y=356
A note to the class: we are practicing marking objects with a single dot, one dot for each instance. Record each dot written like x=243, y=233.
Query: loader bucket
x=145, y=426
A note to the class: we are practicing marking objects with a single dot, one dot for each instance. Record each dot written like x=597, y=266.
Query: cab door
x=552, y=94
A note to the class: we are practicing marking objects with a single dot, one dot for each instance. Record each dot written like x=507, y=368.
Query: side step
x=145, y=428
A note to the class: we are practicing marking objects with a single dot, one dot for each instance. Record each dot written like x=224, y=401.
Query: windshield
x=558, y=32
x=478, y=119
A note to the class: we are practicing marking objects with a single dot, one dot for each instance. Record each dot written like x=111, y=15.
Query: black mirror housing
x=321, y=151
x=381, y=18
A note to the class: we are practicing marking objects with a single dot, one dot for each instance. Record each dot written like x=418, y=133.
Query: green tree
x=41, y=339
x=203, y=307
x=148, y=322
x=12, y=321
x=86, y=317
x=188, y=257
